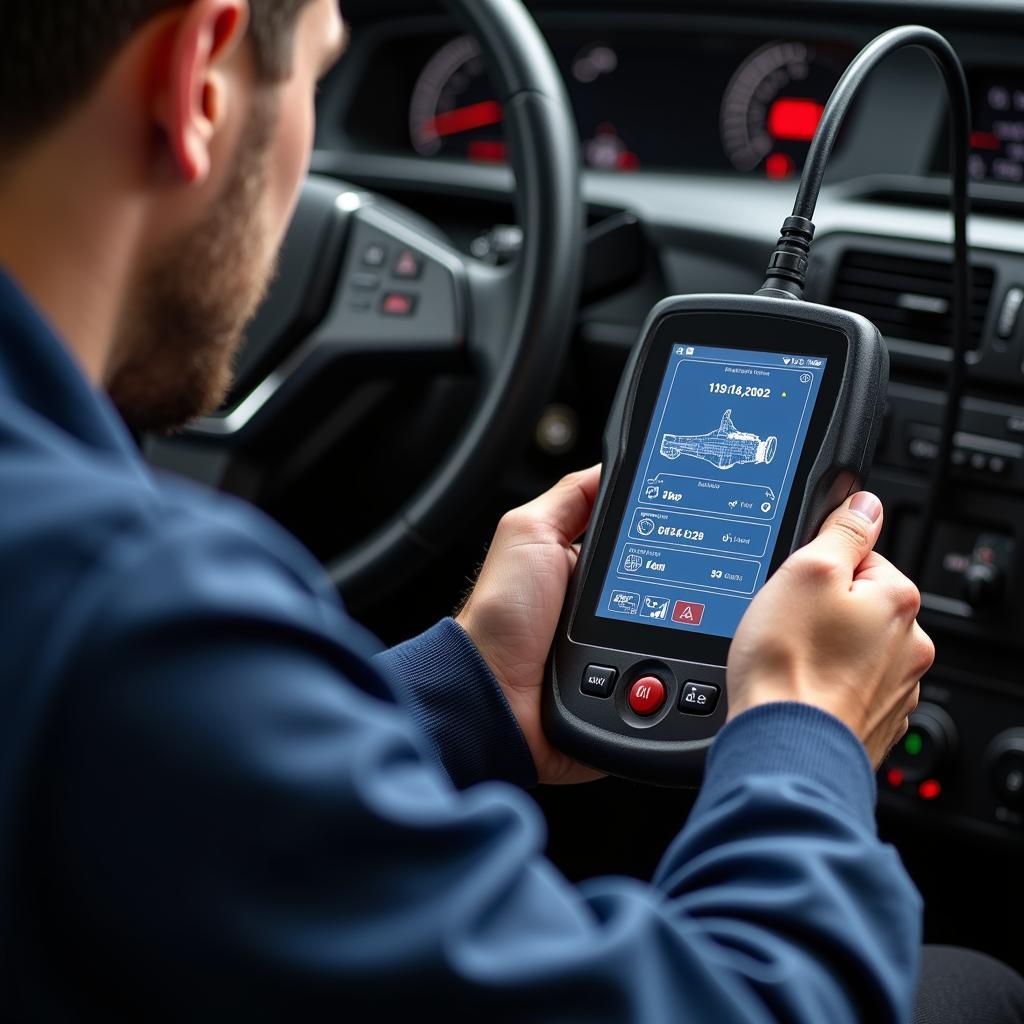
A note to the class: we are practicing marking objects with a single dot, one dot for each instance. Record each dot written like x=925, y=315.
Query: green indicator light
x=913, y=744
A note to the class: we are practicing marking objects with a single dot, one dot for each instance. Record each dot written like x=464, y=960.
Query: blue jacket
x=220, y=801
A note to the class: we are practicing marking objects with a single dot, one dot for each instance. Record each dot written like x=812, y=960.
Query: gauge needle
x=465, y=119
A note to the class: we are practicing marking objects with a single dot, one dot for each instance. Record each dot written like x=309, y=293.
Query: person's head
x=191, y=122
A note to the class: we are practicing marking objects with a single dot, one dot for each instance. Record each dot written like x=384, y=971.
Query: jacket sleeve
x=236, y=821
x=458, y=705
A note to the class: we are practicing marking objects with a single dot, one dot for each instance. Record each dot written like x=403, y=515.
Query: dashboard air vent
x=909, y=299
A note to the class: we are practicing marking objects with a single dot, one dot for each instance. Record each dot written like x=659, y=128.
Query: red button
x=687, y=613
x=399, y=304
x=647, y=695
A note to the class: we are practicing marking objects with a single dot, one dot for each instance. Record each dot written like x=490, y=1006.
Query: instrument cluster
x=643, y=100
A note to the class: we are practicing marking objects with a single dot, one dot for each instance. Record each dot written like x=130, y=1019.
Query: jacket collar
x=38, y=371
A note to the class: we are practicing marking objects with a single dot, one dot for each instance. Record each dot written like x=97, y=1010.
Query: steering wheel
x=511, y=324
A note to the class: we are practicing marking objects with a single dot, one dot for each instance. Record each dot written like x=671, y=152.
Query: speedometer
x=454, y=111
x=773, y=105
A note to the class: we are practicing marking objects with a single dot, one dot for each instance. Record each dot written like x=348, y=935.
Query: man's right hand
x=836, y=627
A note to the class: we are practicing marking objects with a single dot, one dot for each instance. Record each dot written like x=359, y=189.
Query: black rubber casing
x=669, y=747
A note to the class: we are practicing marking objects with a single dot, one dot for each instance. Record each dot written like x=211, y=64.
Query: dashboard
x=650, y=97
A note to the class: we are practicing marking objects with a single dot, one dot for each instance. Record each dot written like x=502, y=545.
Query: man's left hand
x=514, y=609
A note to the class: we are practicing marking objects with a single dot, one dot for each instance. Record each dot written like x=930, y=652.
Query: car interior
x=485, y=229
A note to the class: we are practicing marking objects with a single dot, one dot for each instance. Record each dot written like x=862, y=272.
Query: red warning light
x=930, y=789
x=793, y=119
x=894, y=777
x=483, y=152
x=627, y=161
x=985, y=140
x=779, y=166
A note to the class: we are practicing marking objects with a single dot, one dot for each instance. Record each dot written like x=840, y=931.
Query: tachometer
x=454, y=111
x=773, y=105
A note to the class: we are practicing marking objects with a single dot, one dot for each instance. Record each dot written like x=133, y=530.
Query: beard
x=195, y=298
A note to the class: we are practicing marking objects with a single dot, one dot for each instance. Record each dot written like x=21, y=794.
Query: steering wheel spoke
x=492, y=299
x=361, y=280
x=401, y=293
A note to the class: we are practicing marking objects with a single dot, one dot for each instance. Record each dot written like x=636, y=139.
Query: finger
x=851, y=532
x=568, y=505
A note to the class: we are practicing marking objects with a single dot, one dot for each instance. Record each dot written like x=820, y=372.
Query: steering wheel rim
x=534, y=322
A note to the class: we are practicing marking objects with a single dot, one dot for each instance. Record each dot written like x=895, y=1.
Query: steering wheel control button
x=699, y=699
x=599, y=681
x=647, y=695
x=365, y=282
x=375, y=256
x=398, y=304
x=687, y=613
x=408, y=266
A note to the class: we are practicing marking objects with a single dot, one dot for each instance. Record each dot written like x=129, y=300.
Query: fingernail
x=867, y=506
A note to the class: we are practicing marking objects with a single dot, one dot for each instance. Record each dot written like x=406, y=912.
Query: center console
x=962, y=762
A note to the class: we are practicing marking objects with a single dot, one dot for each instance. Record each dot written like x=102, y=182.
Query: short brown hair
x=53, y=52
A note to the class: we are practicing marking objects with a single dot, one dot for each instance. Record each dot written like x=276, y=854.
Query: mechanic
x=218, y=800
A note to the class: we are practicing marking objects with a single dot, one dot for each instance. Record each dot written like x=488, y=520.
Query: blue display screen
x=711, y=488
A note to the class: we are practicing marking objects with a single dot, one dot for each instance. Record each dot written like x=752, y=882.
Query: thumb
x=851, y=532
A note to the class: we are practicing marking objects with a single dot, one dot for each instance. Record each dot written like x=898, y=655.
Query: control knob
x=1005, y=760
x=929, y=745
x=984, y=585
x=985, y=578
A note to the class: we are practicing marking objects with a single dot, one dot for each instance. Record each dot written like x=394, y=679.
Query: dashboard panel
x=997, y=138
x=644, y=100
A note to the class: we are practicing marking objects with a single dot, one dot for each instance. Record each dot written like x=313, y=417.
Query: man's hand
x=514, y=609
x=836, y=627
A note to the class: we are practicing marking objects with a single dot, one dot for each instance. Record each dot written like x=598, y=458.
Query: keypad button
x=699, y=699
x=599, y=680
x=647, y=695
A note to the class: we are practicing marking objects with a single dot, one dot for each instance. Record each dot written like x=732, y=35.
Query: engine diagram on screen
x=725, y=447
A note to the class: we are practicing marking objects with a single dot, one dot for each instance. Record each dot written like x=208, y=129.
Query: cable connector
x=787, y=269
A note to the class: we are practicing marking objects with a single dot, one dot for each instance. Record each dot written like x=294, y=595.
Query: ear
x=191, y=92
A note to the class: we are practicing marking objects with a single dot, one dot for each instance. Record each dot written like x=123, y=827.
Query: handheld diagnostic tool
x=741, y=422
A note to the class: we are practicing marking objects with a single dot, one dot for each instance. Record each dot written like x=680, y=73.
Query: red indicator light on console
x=794, y=120
x=894, y=777
x=930, y=789
x=985, y=140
